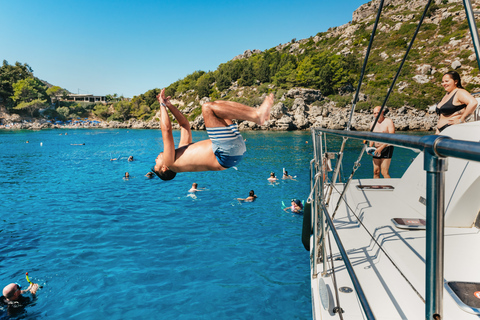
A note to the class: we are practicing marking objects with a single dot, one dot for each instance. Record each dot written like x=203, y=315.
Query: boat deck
x=384, y=280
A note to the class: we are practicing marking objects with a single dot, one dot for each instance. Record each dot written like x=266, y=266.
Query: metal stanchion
x=435, y=167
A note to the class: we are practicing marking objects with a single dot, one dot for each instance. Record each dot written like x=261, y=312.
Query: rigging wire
x=402, y=63
x=367, y=54
x=357, y=164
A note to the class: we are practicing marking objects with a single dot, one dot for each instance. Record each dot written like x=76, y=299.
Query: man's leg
x=376, y=168
x=385, y=166
x=220, y=113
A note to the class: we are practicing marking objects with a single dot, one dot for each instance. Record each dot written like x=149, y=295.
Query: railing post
x=314, y=211
x=317, y=187
x=435, y=166
x=316, y=236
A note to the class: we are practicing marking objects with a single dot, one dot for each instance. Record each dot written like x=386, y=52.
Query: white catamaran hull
x=389, y=259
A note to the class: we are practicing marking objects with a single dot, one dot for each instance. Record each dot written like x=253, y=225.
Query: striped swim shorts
x=227, y=145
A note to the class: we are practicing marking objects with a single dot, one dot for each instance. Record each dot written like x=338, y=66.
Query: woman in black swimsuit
x=456, y=105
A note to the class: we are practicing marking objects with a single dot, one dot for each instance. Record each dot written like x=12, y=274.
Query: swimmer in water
x=296, y=206
x=13, y=301
x=195, y=188
x=272, y=177
x=286, y=175
x=126, y=176
x=149, y=175
x=251, y=197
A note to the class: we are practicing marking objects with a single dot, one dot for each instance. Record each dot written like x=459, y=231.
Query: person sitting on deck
x=223, y=150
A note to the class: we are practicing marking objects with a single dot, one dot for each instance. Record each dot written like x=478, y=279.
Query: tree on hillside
x=9, y=75
x=150, y=97
x=248, y=75
x=235, y=69
x=63, y=111
x=203, y=85
x=102, y=111
x=262, y=73
x=222, y=80
x=55, y=93
x=29, y=89
x=190, y=81
x=307, y=72
x=171, y=90
x=30, y=94
x=285, y=77
x=113, y=97
x=32, y=106
x=122, y=110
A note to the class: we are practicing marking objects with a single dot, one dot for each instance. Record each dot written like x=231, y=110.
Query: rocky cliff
x=443, y=44
x=304, y=114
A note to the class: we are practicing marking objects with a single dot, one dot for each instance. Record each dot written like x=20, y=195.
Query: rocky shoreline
x=303, y=115
x=405, y=119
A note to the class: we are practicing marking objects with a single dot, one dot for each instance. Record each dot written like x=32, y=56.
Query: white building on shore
x=86, y=98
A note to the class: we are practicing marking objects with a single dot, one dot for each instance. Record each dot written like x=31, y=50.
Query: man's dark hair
x=166, y=175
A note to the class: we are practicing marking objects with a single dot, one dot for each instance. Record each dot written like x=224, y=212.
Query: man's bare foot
x=264, y=110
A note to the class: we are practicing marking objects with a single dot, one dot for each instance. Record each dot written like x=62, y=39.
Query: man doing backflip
x=223, y=150
x=384, y=152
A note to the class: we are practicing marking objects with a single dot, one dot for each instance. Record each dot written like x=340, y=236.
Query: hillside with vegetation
x=328, y=62
x=331, y=61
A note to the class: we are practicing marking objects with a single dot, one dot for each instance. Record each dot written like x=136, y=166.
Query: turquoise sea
x=104, y=247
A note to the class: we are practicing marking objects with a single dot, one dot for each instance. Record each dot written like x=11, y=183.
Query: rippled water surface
x=108, y=248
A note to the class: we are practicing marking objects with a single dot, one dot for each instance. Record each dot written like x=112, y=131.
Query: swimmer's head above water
x=161, y=170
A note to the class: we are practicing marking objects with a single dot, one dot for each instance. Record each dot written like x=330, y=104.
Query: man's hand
x=161, y=98
x=165, y=100
x=33, y=288
x=185, y=132
x=379, y=150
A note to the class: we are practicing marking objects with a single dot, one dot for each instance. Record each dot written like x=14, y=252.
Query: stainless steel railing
x=436, y=149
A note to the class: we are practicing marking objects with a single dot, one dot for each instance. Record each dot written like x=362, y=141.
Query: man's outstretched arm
x=167, y=135
x=185, y=132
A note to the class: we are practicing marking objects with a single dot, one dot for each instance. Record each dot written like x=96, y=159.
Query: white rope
x=310, y=199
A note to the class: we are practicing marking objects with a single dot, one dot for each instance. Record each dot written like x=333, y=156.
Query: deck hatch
x=466, y=295
x=375, y=187
x=412, y=224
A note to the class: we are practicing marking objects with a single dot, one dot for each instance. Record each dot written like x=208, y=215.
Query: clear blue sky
x=129, y=47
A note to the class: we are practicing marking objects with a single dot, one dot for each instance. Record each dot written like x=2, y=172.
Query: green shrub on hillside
x=101, y=111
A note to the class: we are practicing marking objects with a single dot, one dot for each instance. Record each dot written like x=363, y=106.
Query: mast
x=473, y=28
